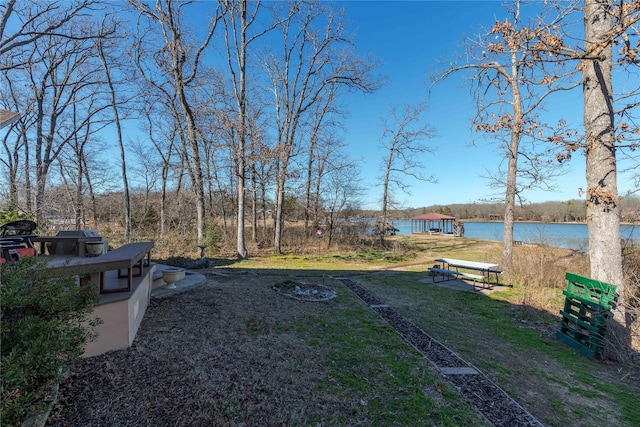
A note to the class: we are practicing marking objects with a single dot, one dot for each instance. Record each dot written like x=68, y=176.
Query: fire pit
x=304, y=291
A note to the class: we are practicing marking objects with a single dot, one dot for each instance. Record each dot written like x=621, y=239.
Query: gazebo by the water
x=432, y=223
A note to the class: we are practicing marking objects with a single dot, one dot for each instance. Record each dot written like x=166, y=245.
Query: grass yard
x=235, y=352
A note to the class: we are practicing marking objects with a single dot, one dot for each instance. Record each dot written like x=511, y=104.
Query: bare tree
x=33, y=20
x=603, y=27
x=314, y=58
x=239, y=21
x=511, y=82
x=403, y=140
x=147, y=171
x=69, y=77
x=340, y=189
x=610, y=124
x=172, y=68
x=15, y=141
x=107, y=64
x=322, y=122
x=161, y=130
x=329, y=157
x=47, y=54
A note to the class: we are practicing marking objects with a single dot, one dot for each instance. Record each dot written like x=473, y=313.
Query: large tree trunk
x=602, y=194
x=254, y=204
x=42, y=171
x=241, y=247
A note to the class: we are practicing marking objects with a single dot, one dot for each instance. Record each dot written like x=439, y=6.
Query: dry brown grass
x=539, y=271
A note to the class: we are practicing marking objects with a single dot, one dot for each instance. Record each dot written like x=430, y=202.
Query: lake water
x=573, y=236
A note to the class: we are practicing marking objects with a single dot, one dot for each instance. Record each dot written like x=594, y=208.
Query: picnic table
x=451, y=269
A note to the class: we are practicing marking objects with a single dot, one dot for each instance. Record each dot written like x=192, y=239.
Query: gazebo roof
x=432, y=216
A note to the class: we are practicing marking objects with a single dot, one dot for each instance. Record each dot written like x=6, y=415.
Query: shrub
x=213, y=236
x=44, y=326
x=11, y=213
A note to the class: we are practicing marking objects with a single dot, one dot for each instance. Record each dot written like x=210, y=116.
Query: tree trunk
x=92, y=195
x=195, y=162
x=163, y=199
x=242, y=134
x=512, y=160
x=279, y=215
x=254, y=204
x=41, y=182
x=27, y=174
x=241, y=248
x=123, y=164
x=603, y=218
x=509, y=203
x=510, y=196
x=385, y=192
x=79, y=210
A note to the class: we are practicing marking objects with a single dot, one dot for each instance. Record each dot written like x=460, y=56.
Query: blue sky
x=409, y=38
x=412, y=39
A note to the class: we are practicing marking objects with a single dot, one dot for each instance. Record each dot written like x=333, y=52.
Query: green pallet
x=587, y=312
x=590, y=290
x=581, y=348
x=596, y=328
x=580, y=336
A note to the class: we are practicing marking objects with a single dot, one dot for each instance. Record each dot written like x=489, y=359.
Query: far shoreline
x=535, y=222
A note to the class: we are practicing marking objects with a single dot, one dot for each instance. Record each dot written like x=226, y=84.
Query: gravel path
x=497, y=407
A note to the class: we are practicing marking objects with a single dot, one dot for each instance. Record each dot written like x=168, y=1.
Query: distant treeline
x=568, y=211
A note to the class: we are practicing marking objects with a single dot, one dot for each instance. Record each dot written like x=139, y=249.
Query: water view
x=572, y=236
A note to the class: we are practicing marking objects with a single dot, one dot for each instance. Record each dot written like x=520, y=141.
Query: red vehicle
x=15, y=240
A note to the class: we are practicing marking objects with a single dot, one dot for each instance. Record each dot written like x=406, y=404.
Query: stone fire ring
x=304, y=291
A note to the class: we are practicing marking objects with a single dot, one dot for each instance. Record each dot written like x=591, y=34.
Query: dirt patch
x=226, y=353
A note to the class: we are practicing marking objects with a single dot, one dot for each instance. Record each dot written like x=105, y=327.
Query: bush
x=11, y=213
x=44, y=326
x=213, y=236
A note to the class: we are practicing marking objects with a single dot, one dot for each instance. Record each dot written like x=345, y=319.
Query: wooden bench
x=126, y=257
